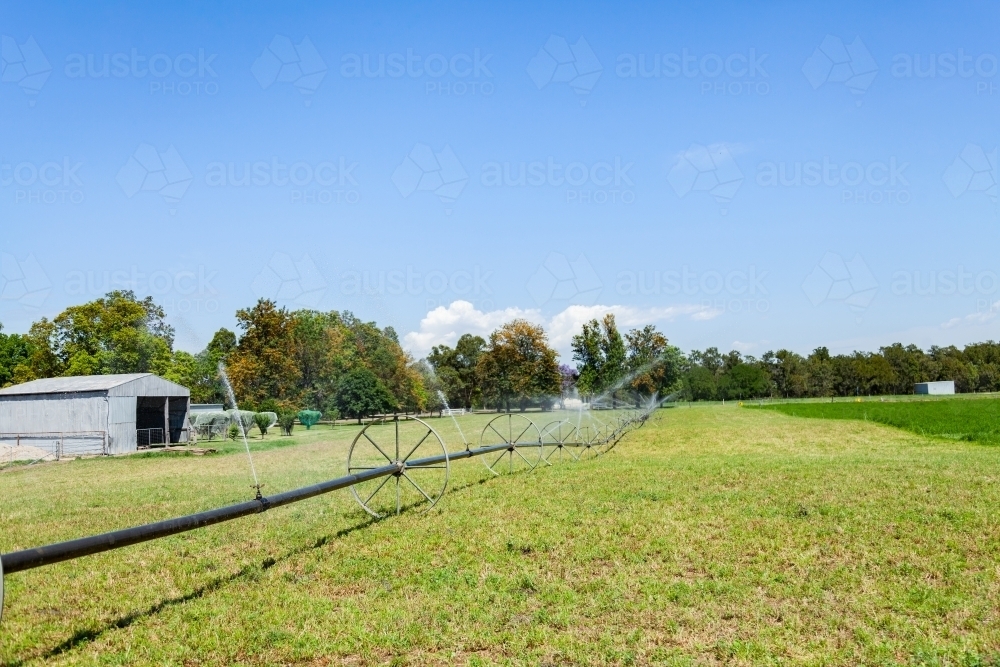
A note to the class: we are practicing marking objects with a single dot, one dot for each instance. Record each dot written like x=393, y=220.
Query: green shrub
x=234, y=431
x=286, y=420
x=263, y=421
x=309, y=418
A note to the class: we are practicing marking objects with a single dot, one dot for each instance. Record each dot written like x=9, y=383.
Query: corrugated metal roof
x=72, y=384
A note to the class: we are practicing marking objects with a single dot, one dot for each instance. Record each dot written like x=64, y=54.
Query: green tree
x=745, y=379
x=262, y=365
x=700, y=384
x=600, y=356
x=788, y=373
x=15, y=350
x=456, y=369
x=518, y=366
x=360, y=393
x=655, y=364
x=118, y=333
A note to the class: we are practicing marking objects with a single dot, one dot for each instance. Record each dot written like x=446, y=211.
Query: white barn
x=935, y=388
x=94, y=414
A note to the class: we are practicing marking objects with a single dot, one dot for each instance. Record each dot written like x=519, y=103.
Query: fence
x=518, y=441
x=54, y=445
x=452, y=412
x=146, y=437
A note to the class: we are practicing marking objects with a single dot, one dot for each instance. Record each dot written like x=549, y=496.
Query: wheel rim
x=523, y=440
x=395, y=442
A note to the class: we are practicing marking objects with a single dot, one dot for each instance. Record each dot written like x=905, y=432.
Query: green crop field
x=952, y=418
x=713, y=535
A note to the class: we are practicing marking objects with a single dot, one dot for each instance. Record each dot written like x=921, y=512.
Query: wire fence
x=31, y=447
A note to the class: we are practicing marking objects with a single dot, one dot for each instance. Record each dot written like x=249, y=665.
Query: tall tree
x=117, y=333
x=15, y=350
x=655, y=366
x=262, y=366
x=600, y=356
x=456, y=369
x=519, y=366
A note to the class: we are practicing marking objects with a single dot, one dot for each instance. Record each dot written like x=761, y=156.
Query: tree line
x=283, y=361
x=894, y=369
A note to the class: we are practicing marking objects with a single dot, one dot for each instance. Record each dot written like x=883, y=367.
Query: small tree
x=309, y=418
x=234, y=431
x=286, y=420
x=263, y=421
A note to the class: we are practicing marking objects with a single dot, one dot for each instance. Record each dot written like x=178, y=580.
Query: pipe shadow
x=81, y=637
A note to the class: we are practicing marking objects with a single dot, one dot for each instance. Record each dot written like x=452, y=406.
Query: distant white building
x=941, y=387
x=94, y=414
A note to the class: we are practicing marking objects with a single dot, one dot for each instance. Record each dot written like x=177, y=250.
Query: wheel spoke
x=397, y=495
x=417, y=487
x=499, y=458
x=516, y=451
x=375, y=444
x=518, y=438
x=417, y=445
x=497, y=432
x=377, y=489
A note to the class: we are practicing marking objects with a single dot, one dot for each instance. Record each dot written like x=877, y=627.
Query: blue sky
x=749, y=176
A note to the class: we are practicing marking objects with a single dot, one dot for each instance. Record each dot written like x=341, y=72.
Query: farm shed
x=94, y=414
x=941, y=387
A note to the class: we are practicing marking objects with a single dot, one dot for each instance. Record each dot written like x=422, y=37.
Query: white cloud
x=444, y=325
x=982, y=317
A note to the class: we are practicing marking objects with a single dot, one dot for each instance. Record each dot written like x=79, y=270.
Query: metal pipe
x=28, y=559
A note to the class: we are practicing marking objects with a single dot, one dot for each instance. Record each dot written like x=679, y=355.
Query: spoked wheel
x=588, y=438
x=523, y=440
x=404, y=443
x=555, y=436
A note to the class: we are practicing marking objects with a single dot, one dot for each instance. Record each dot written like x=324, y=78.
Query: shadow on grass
x=81, y=637
x=85, y=636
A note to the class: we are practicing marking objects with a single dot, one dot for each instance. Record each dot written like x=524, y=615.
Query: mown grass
x=956, y=419
x=711, y=536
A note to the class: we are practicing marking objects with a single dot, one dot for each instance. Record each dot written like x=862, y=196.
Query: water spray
x=239, y=420
x=451, y=414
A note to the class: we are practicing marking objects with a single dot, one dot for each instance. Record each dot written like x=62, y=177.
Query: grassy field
x=955, y=419
x=711, y=536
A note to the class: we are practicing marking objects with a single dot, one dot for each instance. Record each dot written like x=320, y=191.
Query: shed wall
x=121, y=424
x=47, y=413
